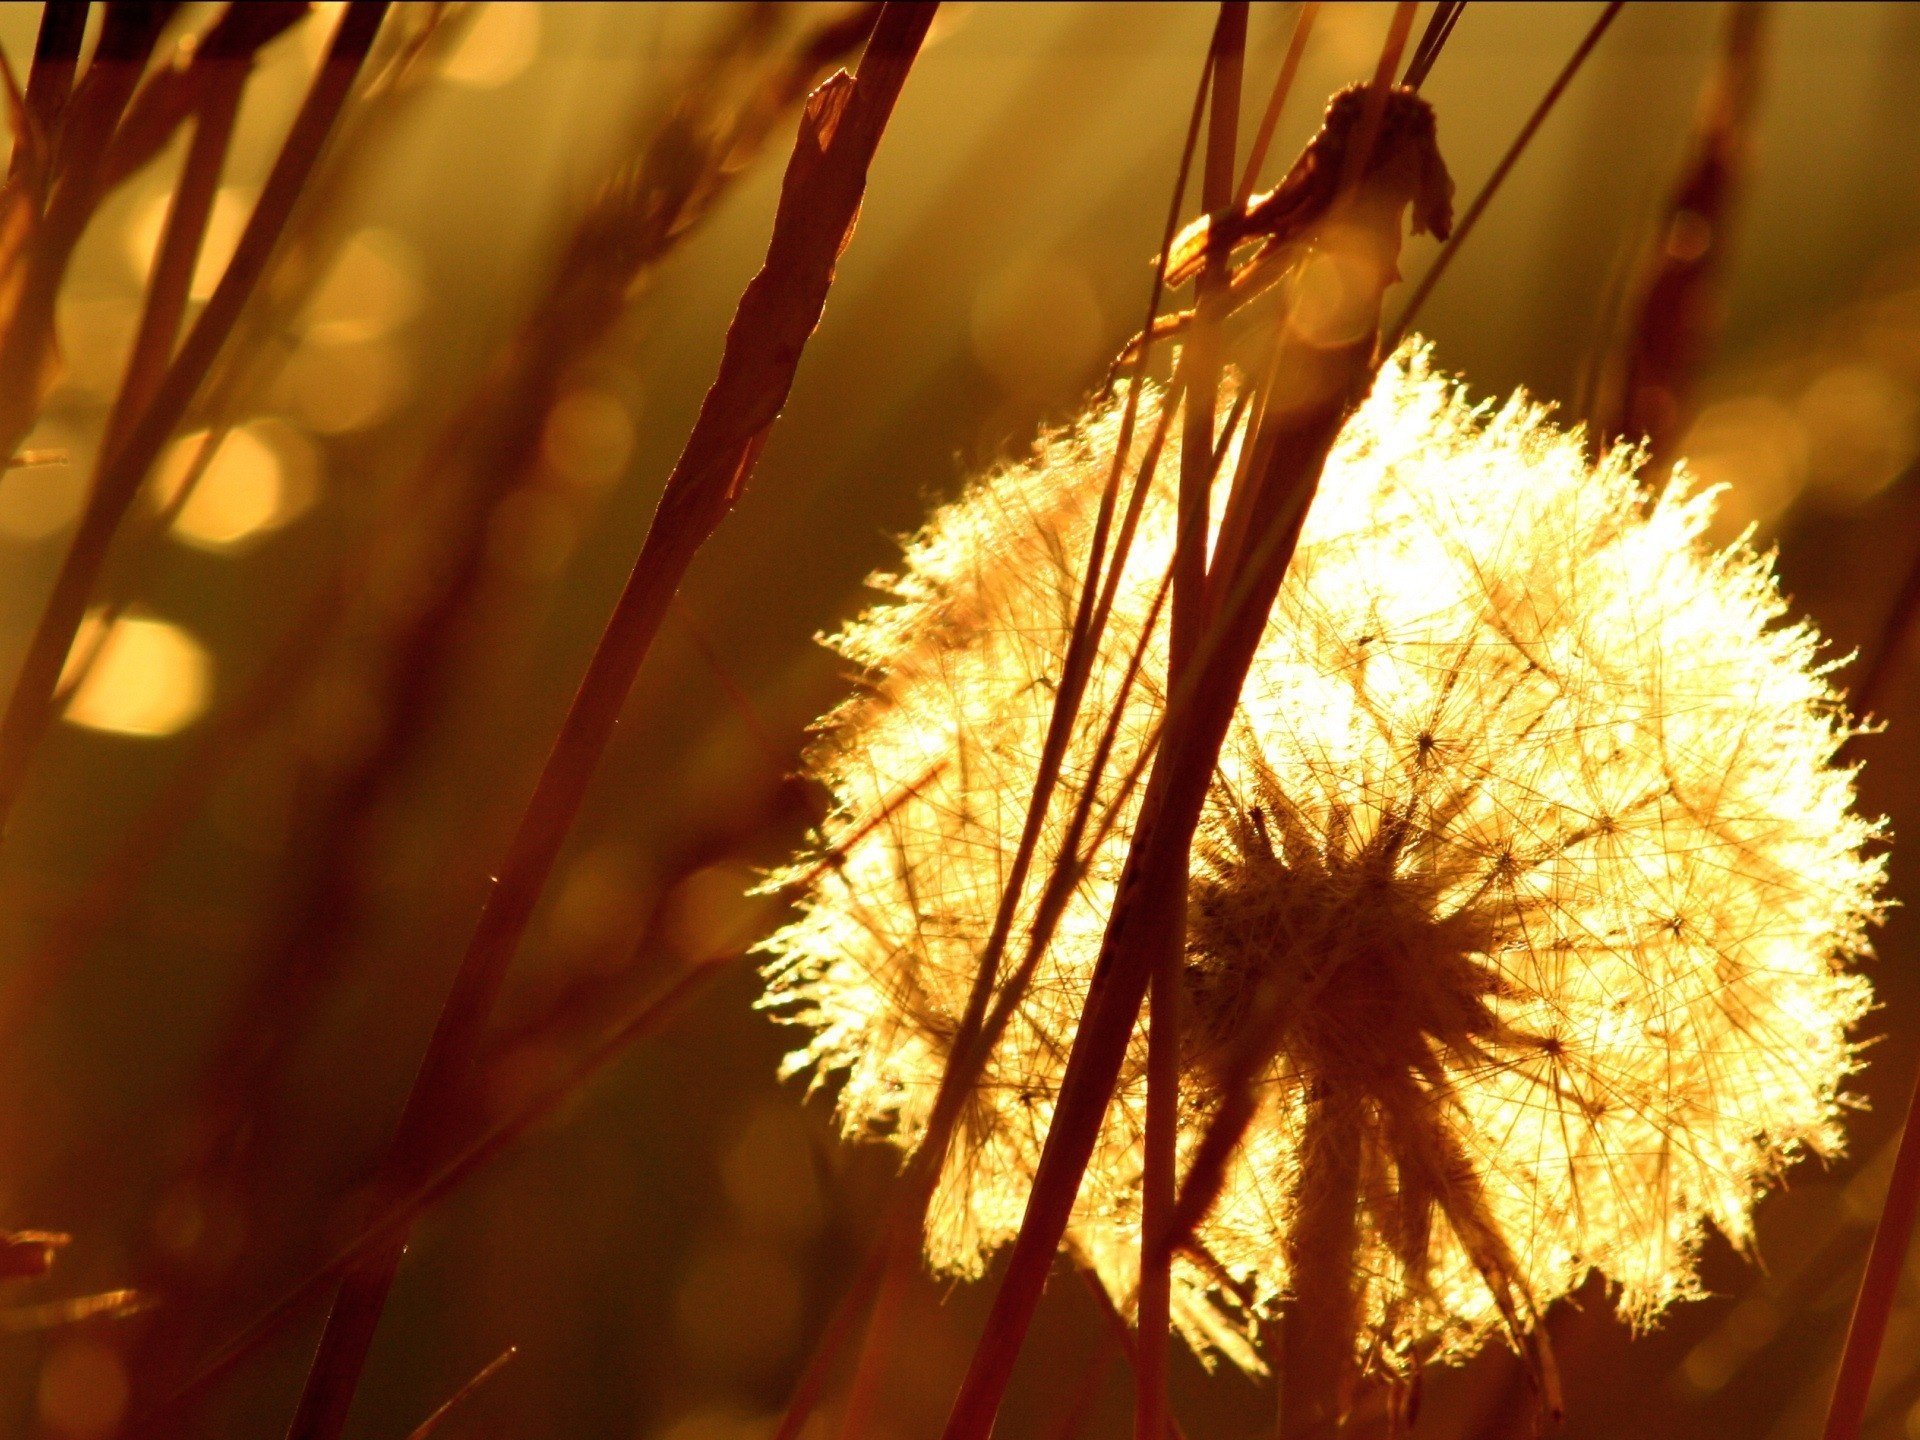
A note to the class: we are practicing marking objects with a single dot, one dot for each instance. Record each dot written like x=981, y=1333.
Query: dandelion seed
x=1527, y=880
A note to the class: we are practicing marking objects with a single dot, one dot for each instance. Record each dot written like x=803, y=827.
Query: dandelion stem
x=1317, y=1356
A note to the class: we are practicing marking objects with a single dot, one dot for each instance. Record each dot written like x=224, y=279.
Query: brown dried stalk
x=1647, y=386
x=1200, y=362
x=459, y=1397
x=124, y=468
x=56, y=181
x=1411, y=311
x=251, y=358
x=889, y=1262
x=489, y=450
x=819, y=202
x=686, y=162
x=1264, y=509
x=1879, y=1285
x=395, y=1217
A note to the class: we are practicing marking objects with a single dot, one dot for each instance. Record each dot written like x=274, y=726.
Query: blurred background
x=219, y=985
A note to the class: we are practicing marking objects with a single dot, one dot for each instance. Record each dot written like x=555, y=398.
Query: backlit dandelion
x=1526, y=885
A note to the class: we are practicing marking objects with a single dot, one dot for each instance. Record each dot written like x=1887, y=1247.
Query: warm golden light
x=258, y=477
x=149, y=678
x=501, y=43
x=228, y=218
x=1527, y=849
x=372, y=289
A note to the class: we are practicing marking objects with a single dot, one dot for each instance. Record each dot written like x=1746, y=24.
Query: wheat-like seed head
x=1526, y=866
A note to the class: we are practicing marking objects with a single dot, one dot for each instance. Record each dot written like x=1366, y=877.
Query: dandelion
x=1520, y=911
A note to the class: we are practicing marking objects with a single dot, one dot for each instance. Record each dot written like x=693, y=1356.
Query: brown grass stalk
x=453, y=1402
x=398, y=1213
x=1879, y=1285
x=56, y=61
x=124, y=468
x=819, y=202
x=686, y=161
x=1201, y=364
x=1410, y=312
x=489, y=450
x=635, y=1020
x=248, y=362
x=890, y=1260
x=1647, y=385
x=57, y=178
x=1277, y=100
x=1264, y=507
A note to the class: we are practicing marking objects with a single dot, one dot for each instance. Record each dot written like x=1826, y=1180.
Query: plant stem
x=1317, y=1354
x=30, y=710
x=1477, y=208
x=819, y=202
x=1201, y=363
x=1879, y=1285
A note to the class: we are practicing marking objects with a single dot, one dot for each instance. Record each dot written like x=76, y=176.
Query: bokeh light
x=149, y=677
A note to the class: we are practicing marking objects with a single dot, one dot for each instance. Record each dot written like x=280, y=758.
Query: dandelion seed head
x=1527, y=860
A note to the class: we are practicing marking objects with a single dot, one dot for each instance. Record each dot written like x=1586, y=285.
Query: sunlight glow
x=1526, y=856
x=150, y=678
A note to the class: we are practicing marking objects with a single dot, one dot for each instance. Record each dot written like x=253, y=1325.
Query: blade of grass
x=459, y=1397
x=1411, y=311
x=1879, y=1284
x=556, y=1032
x=56, y=60
x=1201, y=362
x=123, y=470
x=1277, y=101
x=977, y=1032
x=819, y=203
x=1279, y=472
x=1649, y=382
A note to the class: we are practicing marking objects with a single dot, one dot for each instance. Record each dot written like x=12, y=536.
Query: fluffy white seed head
x=1527, y=853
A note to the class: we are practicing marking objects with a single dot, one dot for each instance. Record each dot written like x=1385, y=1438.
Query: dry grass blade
x=1879, y=1285
x=1279, y=469
x=399, y=1213
x=819, y=202
x=459, y=1397
x=1411, y=312
x=1201, y=365
x=55, y=181
x=1646, y=392
x=1277, y=101
x=488, y=453
x=891, y=1257
x=56, y=60
x=124, y=468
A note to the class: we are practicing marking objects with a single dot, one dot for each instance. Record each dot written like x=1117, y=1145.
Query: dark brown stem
x=979, y=1028
x=1277, y=101
x=1879, y=1285
x=819, y=203
x=459, y=1397
x=1648, y=386
x=1201, y=367
x=1404, y=325
x=1317, y=1352
x=398, y=1214
x=56, y=60
x=124, y=469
